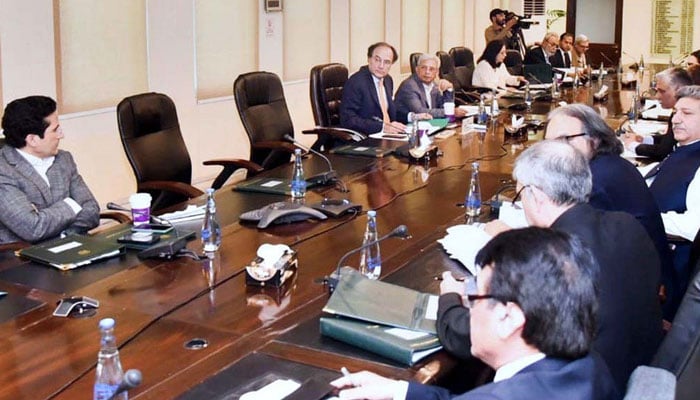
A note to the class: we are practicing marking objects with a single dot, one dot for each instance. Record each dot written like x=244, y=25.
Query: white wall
x=212, y=128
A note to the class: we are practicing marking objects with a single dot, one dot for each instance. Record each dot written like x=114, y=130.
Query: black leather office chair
x=461, y=79
x=462, y=57
x=514, y=62
x=680, y=350
x=265, y=117
x=151, y=136
x=413, y=60
x=326, y=93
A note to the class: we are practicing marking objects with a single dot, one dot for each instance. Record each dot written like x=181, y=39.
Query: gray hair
x=556, y=168
x=690, y=91
x=427, y=56
x=676, y=77
x=581, y=38
x=598, y=133
x=550, y=35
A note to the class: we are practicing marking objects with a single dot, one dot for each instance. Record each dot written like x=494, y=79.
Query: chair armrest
x=171, y=186
x=274, y=145
x=119, y=217
x=347, y=135
x=12, y=246
x=230, y=166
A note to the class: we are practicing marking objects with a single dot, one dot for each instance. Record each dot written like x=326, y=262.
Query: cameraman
x=500, y=29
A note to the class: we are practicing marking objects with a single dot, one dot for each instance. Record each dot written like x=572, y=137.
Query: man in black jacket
x=554, y=180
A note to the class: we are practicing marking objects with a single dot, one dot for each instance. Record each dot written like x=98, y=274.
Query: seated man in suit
x=562, y=57
x=657, y=147
x=367, y=105
x=578, y=56
x=533, y=320
x=541, y=54
x=554, y=180
x=617, y=185
x=43, y=195
x=675, y=184
x=421, y=95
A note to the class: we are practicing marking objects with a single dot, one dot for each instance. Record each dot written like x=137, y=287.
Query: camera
x=524, y=21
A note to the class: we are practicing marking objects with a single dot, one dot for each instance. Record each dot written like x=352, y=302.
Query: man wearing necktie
x=562, y=57
x=367, y=105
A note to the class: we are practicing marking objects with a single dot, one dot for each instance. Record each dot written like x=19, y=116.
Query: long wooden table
x=160, y=305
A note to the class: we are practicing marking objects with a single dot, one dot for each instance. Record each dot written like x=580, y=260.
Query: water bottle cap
x=297, y=151
x=371, y=213
x=475, y=164
x=107, y=323
x=210, y=191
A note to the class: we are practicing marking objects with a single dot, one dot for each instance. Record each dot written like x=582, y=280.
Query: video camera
x=524, y=21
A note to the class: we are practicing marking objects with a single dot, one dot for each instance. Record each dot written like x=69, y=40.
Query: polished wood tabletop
x=160, y=305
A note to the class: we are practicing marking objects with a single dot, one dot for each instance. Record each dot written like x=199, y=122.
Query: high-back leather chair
x=150, y=133
x=462, y=57
x=514, y=62
x=326, y=93
x=265, y=117
x=413, y=61
x=461, y=79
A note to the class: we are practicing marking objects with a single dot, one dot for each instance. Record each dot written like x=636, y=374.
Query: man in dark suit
x=421, y=95
x=541, y=54
x=367, y=104
x=657, y=147
x=554, y=180
x=42, y=192
x=533, y=319
x=562, y=57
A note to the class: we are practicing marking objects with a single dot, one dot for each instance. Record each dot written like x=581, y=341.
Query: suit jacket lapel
x=421, y=92
x=26, y=170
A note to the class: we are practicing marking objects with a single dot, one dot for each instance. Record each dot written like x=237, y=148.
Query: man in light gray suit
x=421, y=95
x=42, y=193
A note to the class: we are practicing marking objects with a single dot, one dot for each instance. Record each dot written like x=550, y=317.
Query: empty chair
x=265, y=117
x=152, y=140
x=326, y=92
x=514, y=62
x=462, y=57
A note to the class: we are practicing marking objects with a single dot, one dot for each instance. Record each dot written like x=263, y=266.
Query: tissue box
x=283, y=270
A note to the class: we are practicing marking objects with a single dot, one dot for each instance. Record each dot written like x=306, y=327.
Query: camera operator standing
x=500, y=29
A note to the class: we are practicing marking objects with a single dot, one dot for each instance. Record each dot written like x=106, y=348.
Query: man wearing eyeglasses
x=367, y=105
x=541, y=54
x=578, y=56
x=421, y=95
x=554, y=183
x=533, y=319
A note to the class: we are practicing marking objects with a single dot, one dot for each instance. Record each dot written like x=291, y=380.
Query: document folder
x=404, y=346
x=72, y=251
x=361, y=150
x=361, y=298
x=279, y=186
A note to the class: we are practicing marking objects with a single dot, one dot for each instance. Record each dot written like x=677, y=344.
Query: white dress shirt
x=487, y=76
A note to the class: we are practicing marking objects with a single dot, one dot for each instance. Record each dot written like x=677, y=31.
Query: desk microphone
x=634, y=66
x=607, y=58
x=323, y=178
x=132, y=378
x=117, y=207
x=400, y=231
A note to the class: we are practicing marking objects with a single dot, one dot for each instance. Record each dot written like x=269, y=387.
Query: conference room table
x=255, y=334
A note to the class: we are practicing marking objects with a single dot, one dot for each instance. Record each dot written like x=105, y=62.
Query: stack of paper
x=463, y=242
x=190, y=213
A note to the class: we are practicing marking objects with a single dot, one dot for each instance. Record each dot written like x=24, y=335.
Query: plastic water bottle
x=494, y=105
x=298, y=180
x=600, y=75
x=528, y=96
x=370, y=257
x=472, y=202
x=483, y=116
x=555, y=87
x=108, y=374
x=211, y=230
x=413, y=135
x=449, y=105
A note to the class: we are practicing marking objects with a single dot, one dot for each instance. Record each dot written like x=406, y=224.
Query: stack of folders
x=402, y=329
x=72, y=251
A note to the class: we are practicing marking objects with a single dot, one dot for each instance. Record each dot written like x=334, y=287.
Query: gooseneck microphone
x=607, y=58
x=324, y=178
x=400, y=231
x=132, y=378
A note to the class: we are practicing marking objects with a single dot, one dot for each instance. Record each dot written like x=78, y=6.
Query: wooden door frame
x=571, y=25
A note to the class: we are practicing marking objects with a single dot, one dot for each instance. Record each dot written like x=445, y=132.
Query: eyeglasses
x=471, y=299
x=569, y=137
x=517, y=197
